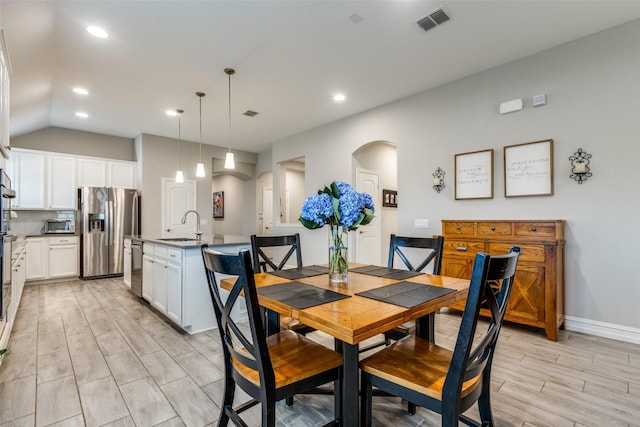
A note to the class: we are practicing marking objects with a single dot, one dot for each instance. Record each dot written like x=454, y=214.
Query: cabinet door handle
x=462, y=248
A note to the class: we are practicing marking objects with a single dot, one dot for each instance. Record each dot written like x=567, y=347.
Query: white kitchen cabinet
x=92, y=172
x=5, y=88
x=127, y=263
x=173, y=281
x=52, y=257
x=27, y=171
x=147, y=276
x=121, y=174
x=18, y=266
x=174, y=285
x=163, y=278
x=46, y=180
x=61, y=182
x=18, y=276
x=37, y=258
x=63, y=257
x=106, y=173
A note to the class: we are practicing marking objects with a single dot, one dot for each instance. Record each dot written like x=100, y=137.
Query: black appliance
x=6, y=194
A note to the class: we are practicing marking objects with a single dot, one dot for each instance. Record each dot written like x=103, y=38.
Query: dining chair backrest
x=248, y=348
x=491, y=283
x=435, y=245
x=262, y=262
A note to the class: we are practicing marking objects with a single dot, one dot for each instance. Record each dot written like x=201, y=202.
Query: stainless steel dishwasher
x=136, y=267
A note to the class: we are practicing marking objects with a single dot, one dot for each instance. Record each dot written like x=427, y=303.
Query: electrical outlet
x=421, y=223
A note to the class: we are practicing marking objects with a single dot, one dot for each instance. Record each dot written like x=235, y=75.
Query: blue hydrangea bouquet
x=343, y=209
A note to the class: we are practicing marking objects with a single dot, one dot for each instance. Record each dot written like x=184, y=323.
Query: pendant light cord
x=180, y=138
x=201, y=129
x=229, y=74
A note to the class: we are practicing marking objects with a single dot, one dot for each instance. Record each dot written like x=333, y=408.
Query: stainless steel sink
x=178, y=239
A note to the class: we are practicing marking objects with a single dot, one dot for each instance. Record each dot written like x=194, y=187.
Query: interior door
x=368, y=236
x=177, y=199
x=267, y=211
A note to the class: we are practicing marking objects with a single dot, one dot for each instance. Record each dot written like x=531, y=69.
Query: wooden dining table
x=356, y=318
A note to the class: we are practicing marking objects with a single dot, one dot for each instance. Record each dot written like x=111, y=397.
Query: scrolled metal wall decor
x=438, y=180
x=580, y=170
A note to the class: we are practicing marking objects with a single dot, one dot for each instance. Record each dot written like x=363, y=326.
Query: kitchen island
x=174, y=281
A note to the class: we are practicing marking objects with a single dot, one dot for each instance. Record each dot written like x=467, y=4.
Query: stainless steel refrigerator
x=106, y=215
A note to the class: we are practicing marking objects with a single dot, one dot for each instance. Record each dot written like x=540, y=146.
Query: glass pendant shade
x=229, y=161
x=179, y=177
x=200, y=170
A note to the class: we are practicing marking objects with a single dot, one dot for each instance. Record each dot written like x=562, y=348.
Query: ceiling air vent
x=433, y=20
x=250, y=113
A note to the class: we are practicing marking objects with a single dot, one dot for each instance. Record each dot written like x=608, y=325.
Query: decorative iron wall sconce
x=580, y=170
x=438, y=180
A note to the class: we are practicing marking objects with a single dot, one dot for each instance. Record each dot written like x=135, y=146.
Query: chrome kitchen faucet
x=184, y=220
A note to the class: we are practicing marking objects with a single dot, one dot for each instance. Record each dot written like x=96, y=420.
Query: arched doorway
x=376, y=158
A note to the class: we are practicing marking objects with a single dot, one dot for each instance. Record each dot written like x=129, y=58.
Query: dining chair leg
x=411, y=408
x=337, y=398
x=227, y=401
x=484, y=402
x=269, y=412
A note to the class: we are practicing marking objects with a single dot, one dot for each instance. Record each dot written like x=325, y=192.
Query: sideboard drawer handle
x=462, y=248
x=534, y=229
x=493, y=229
x=457, y=227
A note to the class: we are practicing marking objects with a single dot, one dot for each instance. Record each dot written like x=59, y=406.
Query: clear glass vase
x=338, y=254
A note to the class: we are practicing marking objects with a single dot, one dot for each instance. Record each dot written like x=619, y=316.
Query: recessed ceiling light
x=80, y=91
x=339, y=97
x=97, y=32
x=81, y=114
x=172, y=113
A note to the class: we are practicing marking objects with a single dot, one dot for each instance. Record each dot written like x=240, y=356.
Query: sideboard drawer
x=494, y=229
x=531, y=253
x=459, y=247
x=535, y=229
x=459, y=228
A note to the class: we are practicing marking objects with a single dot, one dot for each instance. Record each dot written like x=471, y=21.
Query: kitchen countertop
x=216, y=240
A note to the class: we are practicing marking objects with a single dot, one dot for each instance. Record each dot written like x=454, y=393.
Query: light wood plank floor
x=89, y=353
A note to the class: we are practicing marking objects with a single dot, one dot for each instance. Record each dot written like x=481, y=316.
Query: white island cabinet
x=174, y=283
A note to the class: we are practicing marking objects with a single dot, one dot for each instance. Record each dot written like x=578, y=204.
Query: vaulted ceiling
x=290, y=58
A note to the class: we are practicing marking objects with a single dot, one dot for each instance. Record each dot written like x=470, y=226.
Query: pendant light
x=200, y=165
x=229, y=161
x=179, y=174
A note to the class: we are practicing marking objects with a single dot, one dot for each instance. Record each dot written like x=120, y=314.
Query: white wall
x=158, y=158
x=239, y=206
x=593, y=103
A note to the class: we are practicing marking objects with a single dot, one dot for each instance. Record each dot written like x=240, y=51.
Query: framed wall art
x=390, y=198
x=474, y=175
x=218, y=204
x=528, y=169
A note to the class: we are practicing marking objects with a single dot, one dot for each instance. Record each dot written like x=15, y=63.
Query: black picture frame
x=390, y=198
x=218, y=204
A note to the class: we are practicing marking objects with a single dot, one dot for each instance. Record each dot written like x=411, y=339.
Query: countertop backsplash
x=32, y=222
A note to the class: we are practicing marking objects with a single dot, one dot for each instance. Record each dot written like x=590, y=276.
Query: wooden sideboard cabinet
x=537, y=296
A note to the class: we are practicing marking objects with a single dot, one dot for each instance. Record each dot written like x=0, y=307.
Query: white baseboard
x=602, y=329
